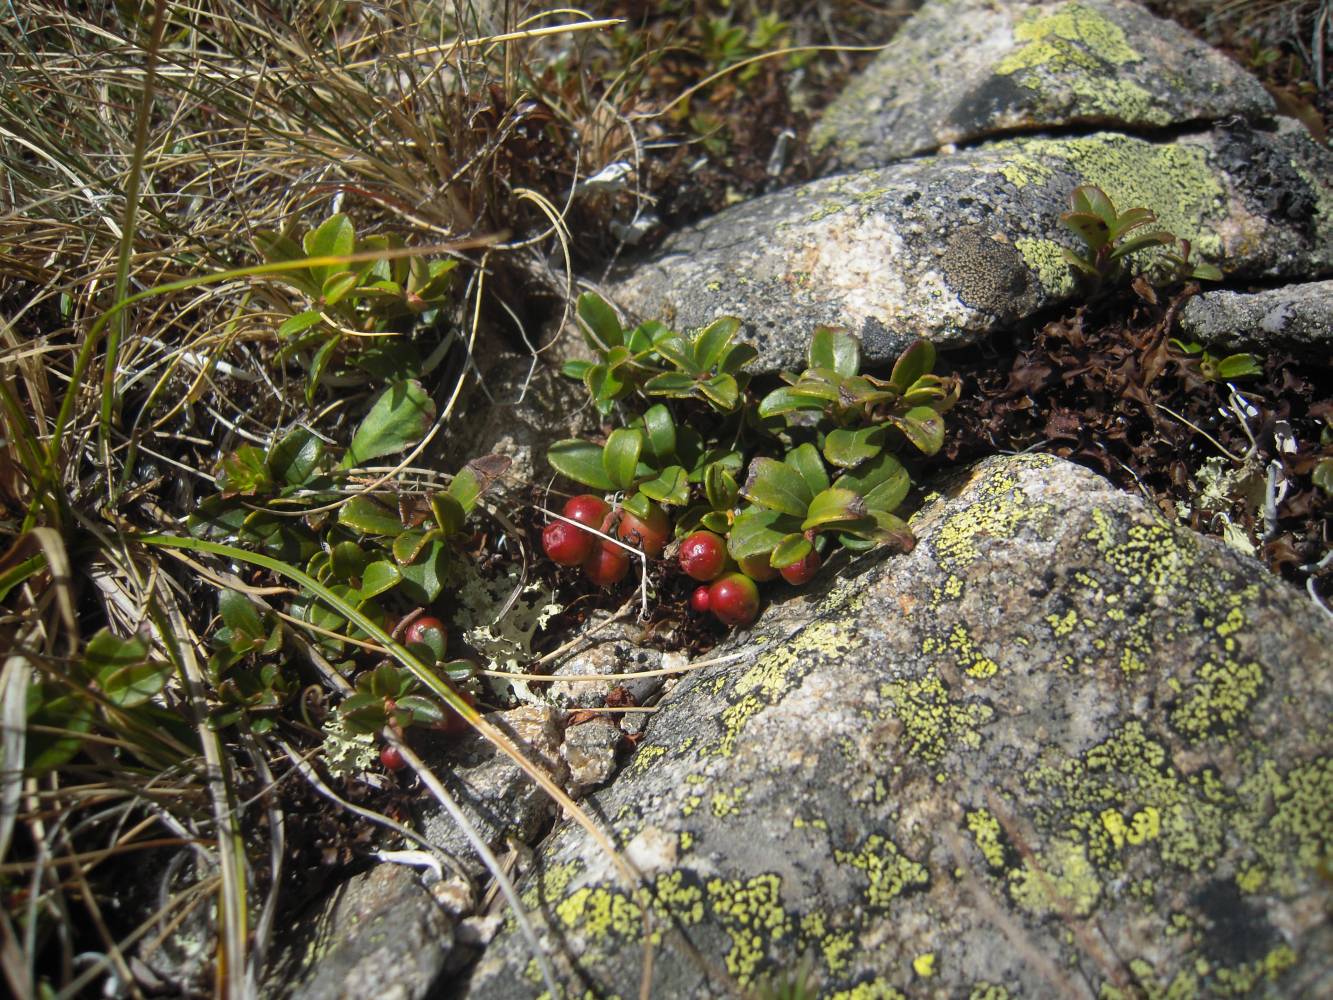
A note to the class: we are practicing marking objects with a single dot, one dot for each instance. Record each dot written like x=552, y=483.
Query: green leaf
x=671, y=487
x=379, y=577
x=917, y=360
x=661, y=431
x=400, y=418
x=806, y=461
x=123, y=670
x=421, y=711
x=849, y=448
x=1322, y=475
x=347, y=560
x=882, y=482
x=602, y=329
x=338, y=285
x=736, y=357
x=335, y=237
x=787, y=399
x=369, y=515
x=791, y=550
x=465, y=487
x=363, y=712
x=580, y=461
x=675, y=385
x=722, y=391
x=604, y=384
x=720, y=487
x=245, y=472
x=711, y=342
x=318, y=363
x=424, y=579
x=833, y=349
x=296, y=458
x=1091, y=199
x=923, y=427
x=299, y=323
x=576, y=369
x=716, y=521
x=448, y=513
x=620, y=457
x=1238, y=366
x=834, y=508
x=1157, y=239
x=674, y=348
x=756, y=531
x=410, y=544
x=638, y=505
x=777, y=486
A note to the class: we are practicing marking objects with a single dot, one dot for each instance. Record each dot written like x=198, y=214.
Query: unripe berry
x=607, y=565
x=649, y=534
x=758, y=568
x=803, y=570
x=587, y=509
x=567, y=544
x=699, y=600
x=703, y=556
x=734, y=599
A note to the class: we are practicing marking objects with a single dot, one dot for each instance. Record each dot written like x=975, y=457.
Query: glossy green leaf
x=378, y=578
x=835, y=350
x=335, y=237
x=1238, y=366
x=337, y=286
x=756, y=531
x=638, y=505
x=833, y=508
x=806, y=461
x=917, y=360
x=399, y=419
x=363, y=713
x=777, y=486
x=711, y=342
x=601, y=328
x=791, y=550
x=620, y=456
x=674, y=348
x=674, y=385
x=423, y=579
x=849, y=448
x=923, y=427
x=605, y=385
x=671, y=487
x=788, y=399
x=722, y=391
x=576, y=369
x=720, y=486
x=736, y=357
x=245, y=472
x=408, y=546
x=580, y=461
x=448, y=513
x=299, y=323
x=421, y=711
x=296, y=458
x=660, y=429
x=323, y=357
x=347, y=560
x=369, y=515
x=123, y=669
x=716, y=521
x=882, y=482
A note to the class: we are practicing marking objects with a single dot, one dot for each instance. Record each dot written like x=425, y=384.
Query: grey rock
x=1294, y=315
x=611, y=649
x=380, y=934
x=589, y=751
x=1062, y=748
x=962, y=70
x=502, y=803
x=954, y=247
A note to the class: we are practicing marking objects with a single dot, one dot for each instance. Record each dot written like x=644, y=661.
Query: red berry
x=453, y=723
x=758, y=568
x=703, y=556
x=699, y=600
x=587, y=509
x=420, y=629
x=649, y=534
x=734, y=599
x=803, y=570
x=392, y=758
x=607, y=565
x=567, y=544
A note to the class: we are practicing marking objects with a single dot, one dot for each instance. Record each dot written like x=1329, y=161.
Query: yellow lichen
x=1059, y=880
x=751, y=913
x=933, y=722
x=986, y=833
x=890, y=872
x=1073, y=35
x=875, y=989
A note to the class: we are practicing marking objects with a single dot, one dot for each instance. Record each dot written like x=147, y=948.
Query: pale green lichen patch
x=933, y=722
x=1059, y=880
x=1073, y=35
x=1046, y=258
x=751, y=912
x=1000, y=508
x=986, y=832
x=889, y=871
x=874, y=989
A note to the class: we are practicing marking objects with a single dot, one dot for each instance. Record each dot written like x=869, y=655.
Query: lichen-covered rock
x=380, y=934
x=962, y=70
x=951, y=247
x=1062, y=748
x=1294, y=315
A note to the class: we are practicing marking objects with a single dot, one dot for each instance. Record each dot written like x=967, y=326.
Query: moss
x=890, y=872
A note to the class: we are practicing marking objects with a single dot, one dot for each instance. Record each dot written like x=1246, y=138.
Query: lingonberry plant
x=753, y=487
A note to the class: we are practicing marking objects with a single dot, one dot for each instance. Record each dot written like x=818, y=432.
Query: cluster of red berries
x=729, y=590
x=428, y=631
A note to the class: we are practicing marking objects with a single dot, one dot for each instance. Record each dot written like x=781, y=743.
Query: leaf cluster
x=1110, y=237
x=1215, y=369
